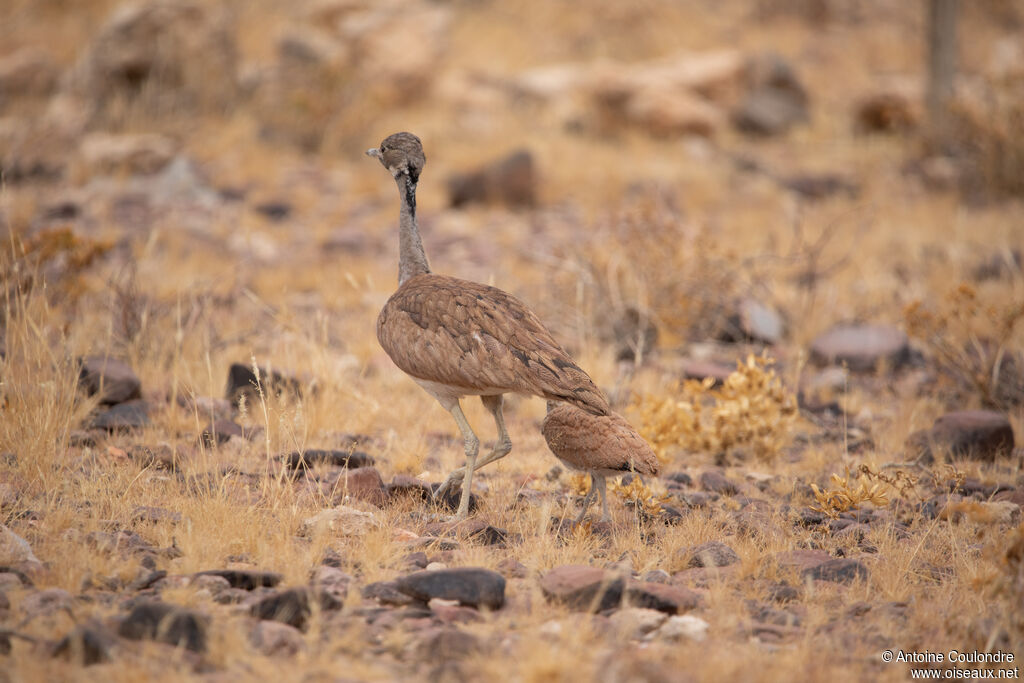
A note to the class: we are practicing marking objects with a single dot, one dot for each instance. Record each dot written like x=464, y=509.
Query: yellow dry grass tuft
x=752, y=410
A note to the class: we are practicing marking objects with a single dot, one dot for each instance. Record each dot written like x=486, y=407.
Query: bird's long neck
x=411, y=258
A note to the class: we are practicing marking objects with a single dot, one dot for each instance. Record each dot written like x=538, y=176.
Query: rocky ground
x=733, y=215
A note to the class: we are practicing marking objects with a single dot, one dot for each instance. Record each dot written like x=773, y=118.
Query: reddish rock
x=362, y=483
x=510, y=180
x=980, y=434
x=583, y=588
x=662, y=597
x=801, y=559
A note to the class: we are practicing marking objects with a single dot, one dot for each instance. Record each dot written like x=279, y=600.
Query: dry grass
x=184, y=298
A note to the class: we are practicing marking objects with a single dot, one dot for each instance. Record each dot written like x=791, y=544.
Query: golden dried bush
x=752, y=410
x=640, y=496
x=845, y=495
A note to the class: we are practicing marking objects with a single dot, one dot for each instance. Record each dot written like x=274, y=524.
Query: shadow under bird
x=601, y=445
x=458, y=338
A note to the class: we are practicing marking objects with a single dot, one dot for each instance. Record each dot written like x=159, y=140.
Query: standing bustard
x=458, y=338
x=601, y=445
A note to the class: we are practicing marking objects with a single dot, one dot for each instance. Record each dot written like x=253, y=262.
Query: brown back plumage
x=479, y=339
x=605, y=444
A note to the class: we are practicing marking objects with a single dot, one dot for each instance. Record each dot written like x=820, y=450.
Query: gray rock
x=302, y=460
x=716, y=482
x=123, y=417
x=862, y=347
x=472, y=586
x=112, y=379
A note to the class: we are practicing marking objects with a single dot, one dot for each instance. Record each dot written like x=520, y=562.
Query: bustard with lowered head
x=458, y=338
x=602, y=445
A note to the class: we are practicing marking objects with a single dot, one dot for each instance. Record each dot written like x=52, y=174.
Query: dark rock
x=472, y=586
x=113, y=380
x=274, y=211
x=716, y=482
x=350, y=459
x=293, y=607
x=89, y=643
x=242, y=382
x=510, y=180
x=583, y=588
x=979, y=434
x=417, y=559
x=245, y=579
x=839, y=570
x=453, y=496
x=219, y=432
x=712, y=554
x=862, y=347
x=387, y=593
x=123, y=417
x=166, y=624
x=404, y=485
x=701, y=369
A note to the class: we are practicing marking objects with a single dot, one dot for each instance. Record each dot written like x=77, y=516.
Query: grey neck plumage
x=411, y=258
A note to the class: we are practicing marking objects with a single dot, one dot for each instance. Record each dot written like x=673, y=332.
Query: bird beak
x=373, y=152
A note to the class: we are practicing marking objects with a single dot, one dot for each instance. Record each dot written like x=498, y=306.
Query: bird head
x=401, y=154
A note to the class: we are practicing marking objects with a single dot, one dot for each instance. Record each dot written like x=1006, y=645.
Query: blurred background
x=656, y=165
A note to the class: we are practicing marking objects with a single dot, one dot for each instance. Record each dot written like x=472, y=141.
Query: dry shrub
x=971, y=342
x=1006, y=585
x=845, y=495
x=640, y=496
x=752, y=410
x=649, y=257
